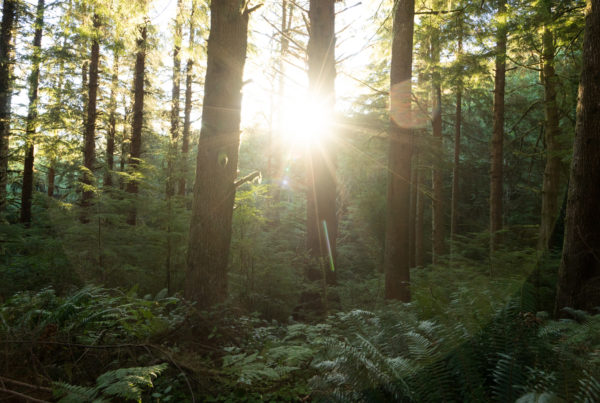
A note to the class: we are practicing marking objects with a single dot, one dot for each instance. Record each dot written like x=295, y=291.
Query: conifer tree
x=7, y=31
x=32, y=116
x=397, y=256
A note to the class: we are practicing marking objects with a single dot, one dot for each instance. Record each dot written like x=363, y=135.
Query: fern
x=124, y=383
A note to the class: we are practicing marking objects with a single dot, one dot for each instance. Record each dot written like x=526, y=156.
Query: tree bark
x=112, y=123
x=454, y=214
x=187, y=112
x=89, y=138
x=32, y=114
x=438, y=183
x=579, y=273
x=396, y=255
x=9, y=19
x=321, y=224
x=135, y=151
x=216, y=164
x=496, y=175
x=175, y=94
x=551, y=185
x=420, y=219
x=414, y=192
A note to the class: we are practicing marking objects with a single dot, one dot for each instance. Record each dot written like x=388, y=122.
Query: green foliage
x=125, y=383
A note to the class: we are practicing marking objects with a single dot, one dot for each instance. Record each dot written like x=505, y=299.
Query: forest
x=300, y=201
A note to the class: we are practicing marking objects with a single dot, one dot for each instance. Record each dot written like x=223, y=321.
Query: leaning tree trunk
x=397, y=256
x=89, y=137
x=216, y=164
x=436, y=123
x=32, y=115
x=579, y=274
x=321, y=223
x=135, y=151
x=551, y=185
x=9, y=17
x=496, y=176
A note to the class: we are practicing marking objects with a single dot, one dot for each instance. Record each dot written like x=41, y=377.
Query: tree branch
x=247, y=178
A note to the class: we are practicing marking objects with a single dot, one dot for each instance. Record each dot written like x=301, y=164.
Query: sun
x=306, y=121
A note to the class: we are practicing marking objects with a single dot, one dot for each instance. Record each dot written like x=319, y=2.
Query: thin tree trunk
x=321, y=225
x=550, y=187
x=216, y=168
x=275, y=147
x=9, y=19
x=175, y=94
x=112, y=123
x=396, y=258
x=187, y=112
x=438, y=183
x=137, y=123
x=496, y=175
x=454, y=214
x=419, y=219
x=579, y=274
x=89, y=138
x=414, y=190
x=32, y=114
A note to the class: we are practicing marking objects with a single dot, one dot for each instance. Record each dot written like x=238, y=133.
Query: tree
x=216, y=164
x=112, y=120
x=396, y=255
x=436, y=123
x=187, y=109
x=32, y=115
x=579, y=273
x=135, y=152
x=550, y=186
x=175, y=94
x=89, y=137
x=457, y=133
x=496, y=172
x=321, y=222
x=9, y=19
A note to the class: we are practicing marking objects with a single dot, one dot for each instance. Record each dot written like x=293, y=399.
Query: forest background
x=102, y=110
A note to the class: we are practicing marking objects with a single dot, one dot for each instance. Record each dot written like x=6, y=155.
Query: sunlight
x=305, y=121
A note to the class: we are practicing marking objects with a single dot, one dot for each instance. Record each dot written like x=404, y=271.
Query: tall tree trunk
x=112, y=123
x=216, y=167
x=420, y=218
x=135, y=151
x=414, y=191
x=438, y=183
x=187, y=111
x=454, y=214
x=496, y=175
x=275, y=163
x=9, y=18
x=175, y=94
x=550, y=187
x=579, y=274
x=32, y=114
x=89, y=138
x=321, y=224
x=396, y=257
